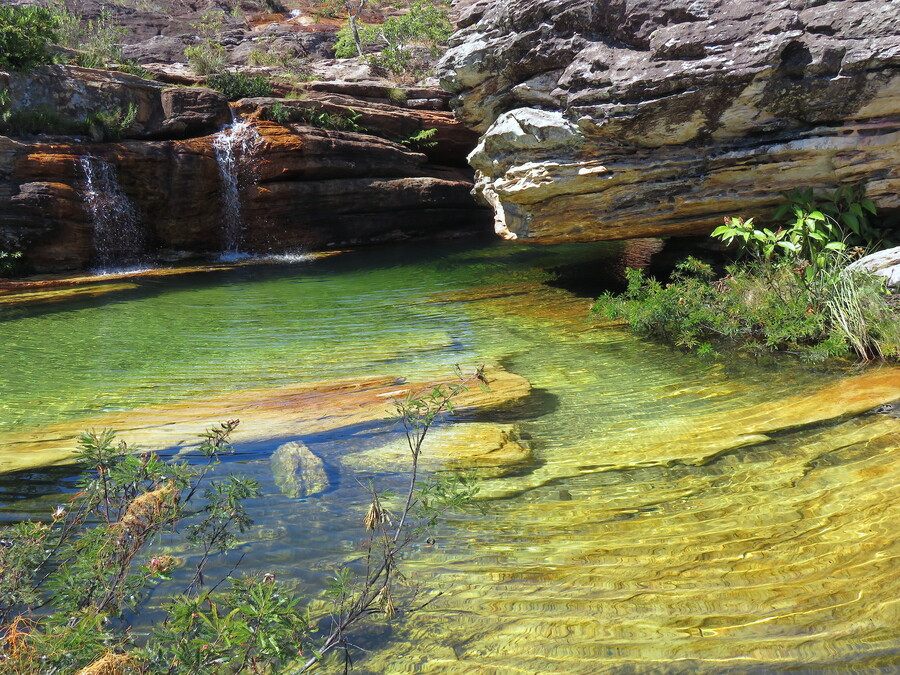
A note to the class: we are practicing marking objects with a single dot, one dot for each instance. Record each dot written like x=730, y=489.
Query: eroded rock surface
x=628, y=118
x=884, y=263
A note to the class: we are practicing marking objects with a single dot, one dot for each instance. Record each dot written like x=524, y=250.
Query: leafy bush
x=25, y=34
x=10, y=262
x=316, y=117
x=846, y=208
x=110, y=125
x=761, y=307
x=239, y=85
x=426, y=24
x=97, y=42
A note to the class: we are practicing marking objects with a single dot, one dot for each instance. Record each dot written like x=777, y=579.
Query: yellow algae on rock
x=284, y=412
x=497, y=448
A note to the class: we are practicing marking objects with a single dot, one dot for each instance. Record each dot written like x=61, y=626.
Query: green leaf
x=869, y=206
x=851, y=221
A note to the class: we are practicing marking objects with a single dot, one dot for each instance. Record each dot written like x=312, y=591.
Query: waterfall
x=118, y=235
x=235, y=147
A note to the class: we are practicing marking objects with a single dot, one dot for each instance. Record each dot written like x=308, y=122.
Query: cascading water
x=118, y=236
x=235, y=147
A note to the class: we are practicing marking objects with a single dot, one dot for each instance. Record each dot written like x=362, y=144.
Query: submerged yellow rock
x=283, y=412
x=498, y=448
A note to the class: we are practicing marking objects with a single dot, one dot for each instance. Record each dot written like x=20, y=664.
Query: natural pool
x=667, y=521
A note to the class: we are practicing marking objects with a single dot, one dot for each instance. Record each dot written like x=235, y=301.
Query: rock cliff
x=605, y=119
x=299, y=186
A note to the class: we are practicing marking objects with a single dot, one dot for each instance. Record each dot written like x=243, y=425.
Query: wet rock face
x=612, y=119
x=307, y=189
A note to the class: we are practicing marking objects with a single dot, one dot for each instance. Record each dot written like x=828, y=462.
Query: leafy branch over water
x=71, y=588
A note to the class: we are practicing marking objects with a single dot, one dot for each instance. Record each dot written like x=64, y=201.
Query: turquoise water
x=782, y=555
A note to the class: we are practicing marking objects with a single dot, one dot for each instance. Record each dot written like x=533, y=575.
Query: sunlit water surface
x=778, y=556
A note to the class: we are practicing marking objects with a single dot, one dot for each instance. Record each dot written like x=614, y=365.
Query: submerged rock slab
x=772, y=560
x=611, y=120
x=494, y=448
x=285, y=412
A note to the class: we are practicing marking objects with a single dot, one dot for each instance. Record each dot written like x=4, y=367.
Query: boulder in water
x=298, y=472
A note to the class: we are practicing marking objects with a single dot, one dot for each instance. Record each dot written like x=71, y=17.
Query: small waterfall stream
x=235, y=147
x=119, y=240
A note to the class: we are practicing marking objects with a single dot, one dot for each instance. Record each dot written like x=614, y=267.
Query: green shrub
x=132, y=67
x=426, y=24
x=239, y=85
x=315, y=117
x=847, y=208
x=38, y=120
x=208, y=56
x=25, y=35
x=103, y=125
x=11, y=263
x=760, y=307
x=110, y=125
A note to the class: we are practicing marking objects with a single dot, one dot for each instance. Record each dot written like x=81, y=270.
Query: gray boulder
x=884, y=263
x=297, y=471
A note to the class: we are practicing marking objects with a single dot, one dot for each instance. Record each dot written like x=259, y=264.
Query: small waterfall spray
x=118, y=235
x=235, y=147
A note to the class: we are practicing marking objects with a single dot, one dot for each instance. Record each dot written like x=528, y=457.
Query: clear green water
x=774, y=557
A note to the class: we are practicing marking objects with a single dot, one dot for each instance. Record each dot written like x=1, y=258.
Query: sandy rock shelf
x=265, y=414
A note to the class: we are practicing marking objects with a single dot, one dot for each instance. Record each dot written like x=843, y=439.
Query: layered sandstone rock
x=299, y=186
x=625, y=118
x=305, y=188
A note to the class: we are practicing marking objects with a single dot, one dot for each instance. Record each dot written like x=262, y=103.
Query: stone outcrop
x=884, y=263
x=311, y=189
x=626, y=118
x=448, y=145
x=301, y=187
x=77, y=94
